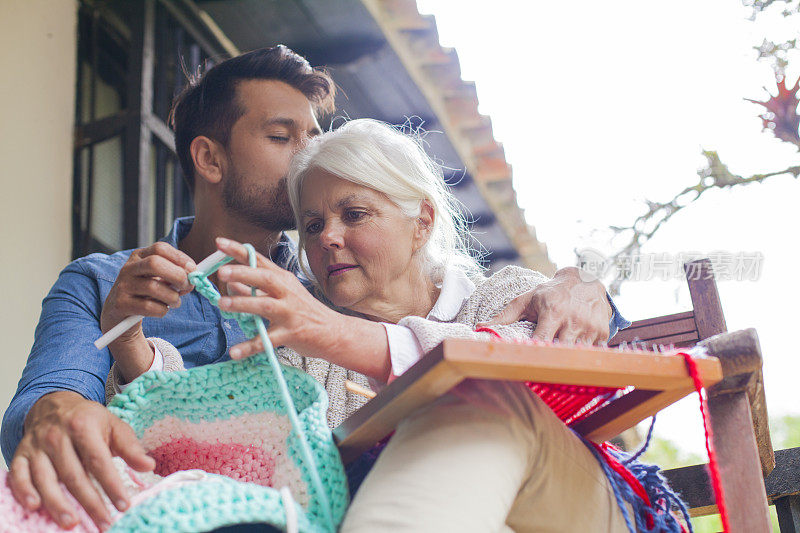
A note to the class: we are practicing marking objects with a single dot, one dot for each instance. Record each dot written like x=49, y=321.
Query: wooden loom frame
x=659, y=380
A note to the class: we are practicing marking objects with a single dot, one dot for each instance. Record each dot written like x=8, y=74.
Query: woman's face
x=360, y=246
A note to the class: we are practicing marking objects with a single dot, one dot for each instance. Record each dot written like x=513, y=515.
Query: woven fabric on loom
x=570, y=403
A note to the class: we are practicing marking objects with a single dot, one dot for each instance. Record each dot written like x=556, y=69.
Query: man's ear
x=208, y=157
x=424, y=227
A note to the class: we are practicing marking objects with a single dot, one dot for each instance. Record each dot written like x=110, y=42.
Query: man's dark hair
x=208, y=105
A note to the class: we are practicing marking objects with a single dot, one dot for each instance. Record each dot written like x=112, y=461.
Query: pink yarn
x=242, y=463
x=15, y=518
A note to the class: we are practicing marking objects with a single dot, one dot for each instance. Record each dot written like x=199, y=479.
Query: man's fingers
x=138, y=305
x=72, y=473
x=546, y=329
x=171, y=253
x=566, y=336
x=514, y=312
x=53, y=499
x=124, y=444
x=21, y=485
x=154, y=289
x=156, y=266
x=96, y=457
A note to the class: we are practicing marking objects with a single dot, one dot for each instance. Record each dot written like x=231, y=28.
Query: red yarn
x=713, y=466
x=486, y=329
x=568, y=401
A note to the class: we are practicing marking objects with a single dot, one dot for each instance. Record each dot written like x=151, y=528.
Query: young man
x=236, y=129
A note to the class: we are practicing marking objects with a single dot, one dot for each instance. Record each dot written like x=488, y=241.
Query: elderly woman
x=384, y=240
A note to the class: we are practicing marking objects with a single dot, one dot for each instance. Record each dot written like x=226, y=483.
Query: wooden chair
x=741, y=433
x=752, y=473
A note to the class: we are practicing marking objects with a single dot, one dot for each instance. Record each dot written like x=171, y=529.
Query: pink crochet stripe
x=250, y=429
x=242, y=463
x=266, y=432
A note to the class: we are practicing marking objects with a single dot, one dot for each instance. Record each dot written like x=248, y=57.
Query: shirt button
x=227, y=325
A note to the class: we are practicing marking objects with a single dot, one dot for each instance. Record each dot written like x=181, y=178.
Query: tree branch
x=715, y=175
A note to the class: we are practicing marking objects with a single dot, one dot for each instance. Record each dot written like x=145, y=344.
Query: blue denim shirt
x=63, y=356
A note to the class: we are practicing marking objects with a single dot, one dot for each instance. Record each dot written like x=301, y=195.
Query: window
x=132, y=59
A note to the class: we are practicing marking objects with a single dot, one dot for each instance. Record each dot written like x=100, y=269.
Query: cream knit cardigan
x=490, y=297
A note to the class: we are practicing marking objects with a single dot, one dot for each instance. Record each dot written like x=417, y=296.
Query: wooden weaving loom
x=659, y=380
x=731, y=374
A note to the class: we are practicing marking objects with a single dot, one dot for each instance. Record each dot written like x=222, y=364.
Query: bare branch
x=715, y=175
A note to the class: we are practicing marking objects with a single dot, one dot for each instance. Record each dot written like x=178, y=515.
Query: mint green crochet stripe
x=253, y=325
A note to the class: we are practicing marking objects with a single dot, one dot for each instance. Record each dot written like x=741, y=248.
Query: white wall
x=37, y=102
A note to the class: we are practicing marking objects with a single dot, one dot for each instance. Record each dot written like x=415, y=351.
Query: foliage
x=785, y=432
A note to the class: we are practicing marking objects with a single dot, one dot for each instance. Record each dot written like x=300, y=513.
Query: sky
x=601, y=105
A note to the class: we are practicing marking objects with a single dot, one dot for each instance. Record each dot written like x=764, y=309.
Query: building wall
x=37, y=100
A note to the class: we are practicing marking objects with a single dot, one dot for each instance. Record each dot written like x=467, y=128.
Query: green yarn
x=222, y=391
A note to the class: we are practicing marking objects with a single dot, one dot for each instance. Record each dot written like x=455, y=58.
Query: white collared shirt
x=404, y=348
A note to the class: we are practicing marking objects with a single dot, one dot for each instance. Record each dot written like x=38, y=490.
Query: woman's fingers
x=234, y=288
x=263, y=306
x=239, y=253
x=278, y=336
x=270, y=282
x=546, y=329
x=247, y=348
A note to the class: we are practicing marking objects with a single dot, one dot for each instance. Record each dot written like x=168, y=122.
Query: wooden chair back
x=738, y=418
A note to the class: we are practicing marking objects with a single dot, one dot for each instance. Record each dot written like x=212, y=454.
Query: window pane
x=169, y=196
x=175, y=51
x=106, y=205
x=102, y=68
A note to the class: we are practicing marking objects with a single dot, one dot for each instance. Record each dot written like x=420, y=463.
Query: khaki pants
x=489, y=456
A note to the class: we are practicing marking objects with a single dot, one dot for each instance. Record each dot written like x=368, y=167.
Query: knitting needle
x=358, y=389
x=111, y=335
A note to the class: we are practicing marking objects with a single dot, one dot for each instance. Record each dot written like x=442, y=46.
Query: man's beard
x=261, y=205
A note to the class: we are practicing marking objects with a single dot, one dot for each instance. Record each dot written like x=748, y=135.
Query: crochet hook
x=111, y=335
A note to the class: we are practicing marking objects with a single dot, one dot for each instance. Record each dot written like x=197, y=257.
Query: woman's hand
x=297, y=319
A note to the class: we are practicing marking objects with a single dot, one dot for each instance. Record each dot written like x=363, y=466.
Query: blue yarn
x=662, y=497
x=645, y=445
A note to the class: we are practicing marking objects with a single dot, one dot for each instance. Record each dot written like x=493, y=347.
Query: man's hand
x=150, y=283
x=566, y=308
x=68, y=437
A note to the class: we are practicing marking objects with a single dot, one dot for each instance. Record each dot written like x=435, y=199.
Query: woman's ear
x=424, y=225
x=208, y=158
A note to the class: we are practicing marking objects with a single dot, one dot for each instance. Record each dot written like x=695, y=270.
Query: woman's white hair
x=376, y=155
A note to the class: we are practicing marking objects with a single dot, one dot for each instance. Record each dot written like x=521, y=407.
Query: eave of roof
x=437, y=72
